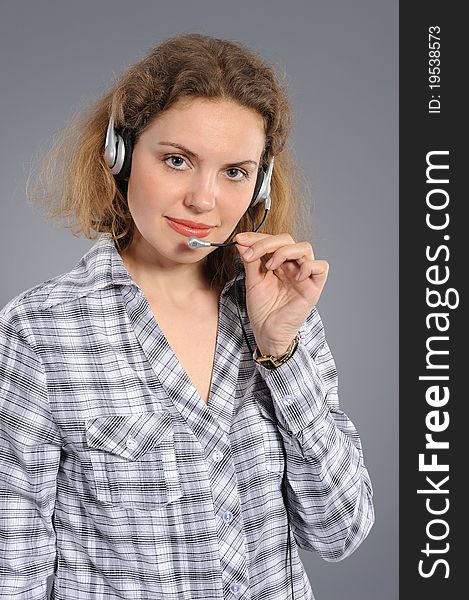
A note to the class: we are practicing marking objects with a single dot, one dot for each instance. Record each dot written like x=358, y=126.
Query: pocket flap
x=128, y=436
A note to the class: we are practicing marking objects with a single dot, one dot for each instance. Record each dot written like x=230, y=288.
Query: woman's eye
x=176, y=162
x=236, y=174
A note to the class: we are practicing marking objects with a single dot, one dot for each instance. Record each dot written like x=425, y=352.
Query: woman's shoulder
x=31, y=297
x=21, y=316
x=95, y=269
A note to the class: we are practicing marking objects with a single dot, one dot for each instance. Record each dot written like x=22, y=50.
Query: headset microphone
x=261, y=194
x=195, y=243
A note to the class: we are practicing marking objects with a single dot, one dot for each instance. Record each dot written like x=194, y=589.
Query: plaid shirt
x=117, y=478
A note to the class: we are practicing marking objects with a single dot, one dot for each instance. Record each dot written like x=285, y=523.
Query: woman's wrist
x=275, y=349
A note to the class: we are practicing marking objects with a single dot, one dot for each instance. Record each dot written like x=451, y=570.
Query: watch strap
x=273, y=362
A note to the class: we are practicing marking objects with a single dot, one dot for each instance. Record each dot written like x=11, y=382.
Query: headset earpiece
x=262, y=187
x=257, y=187
x=118, y=152
x=125, y=171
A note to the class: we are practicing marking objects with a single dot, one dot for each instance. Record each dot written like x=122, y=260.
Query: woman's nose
x=202, y=192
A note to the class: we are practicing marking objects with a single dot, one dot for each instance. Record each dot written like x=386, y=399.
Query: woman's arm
x=29, y=460
x=329, y=493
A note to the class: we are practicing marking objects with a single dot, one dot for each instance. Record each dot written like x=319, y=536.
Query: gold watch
x=272, y=362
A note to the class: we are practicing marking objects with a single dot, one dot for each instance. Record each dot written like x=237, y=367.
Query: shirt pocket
x=134, y=460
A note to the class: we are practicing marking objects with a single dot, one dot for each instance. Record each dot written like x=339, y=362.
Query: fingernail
x=248, y=253
x=242, y=236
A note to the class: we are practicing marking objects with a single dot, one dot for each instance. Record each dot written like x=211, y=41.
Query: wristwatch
x=272, y=362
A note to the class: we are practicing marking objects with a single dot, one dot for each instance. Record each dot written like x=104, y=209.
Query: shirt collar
x=101, y=267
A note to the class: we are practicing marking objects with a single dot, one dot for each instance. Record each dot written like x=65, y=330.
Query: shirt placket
x=210, y=424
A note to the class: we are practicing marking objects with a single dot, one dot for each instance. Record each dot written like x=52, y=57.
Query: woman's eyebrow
x=195, y=156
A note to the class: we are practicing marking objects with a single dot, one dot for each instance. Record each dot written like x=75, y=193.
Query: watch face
x=264, y=361
x=270, y=362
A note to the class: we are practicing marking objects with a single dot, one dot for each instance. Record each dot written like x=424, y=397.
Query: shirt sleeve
x=30, y=447
x=328, y=489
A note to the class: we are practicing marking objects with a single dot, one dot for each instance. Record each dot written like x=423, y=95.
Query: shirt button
x=234, y=587
x=228, y=516
x=131, y=443
x=289, y=400
x=217, y=456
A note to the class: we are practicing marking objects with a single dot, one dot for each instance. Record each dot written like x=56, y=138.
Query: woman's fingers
x=313, y=268
x=300, y=253
x=282, y=247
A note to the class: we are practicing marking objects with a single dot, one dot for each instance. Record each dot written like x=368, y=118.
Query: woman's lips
x=188, y=231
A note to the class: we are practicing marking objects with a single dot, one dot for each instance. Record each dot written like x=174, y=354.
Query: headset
x=118, y=157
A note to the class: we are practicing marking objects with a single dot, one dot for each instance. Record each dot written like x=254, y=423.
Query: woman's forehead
x=197, y=123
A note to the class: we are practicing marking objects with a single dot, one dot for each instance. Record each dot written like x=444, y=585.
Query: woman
x=168, y=409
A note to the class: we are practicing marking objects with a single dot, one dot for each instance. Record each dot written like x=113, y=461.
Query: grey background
x=341, y=60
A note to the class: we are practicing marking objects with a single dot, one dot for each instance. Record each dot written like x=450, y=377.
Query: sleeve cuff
x=297, y=390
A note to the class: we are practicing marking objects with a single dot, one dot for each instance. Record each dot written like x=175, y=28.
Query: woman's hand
x=280, y=295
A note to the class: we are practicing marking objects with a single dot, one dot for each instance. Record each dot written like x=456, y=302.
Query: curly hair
x=74, y=184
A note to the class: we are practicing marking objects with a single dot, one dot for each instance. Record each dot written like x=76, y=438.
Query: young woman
x=169, y=420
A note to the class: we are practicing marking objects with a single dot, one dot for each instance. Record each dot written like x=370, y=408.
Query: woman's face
x=198, y=162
